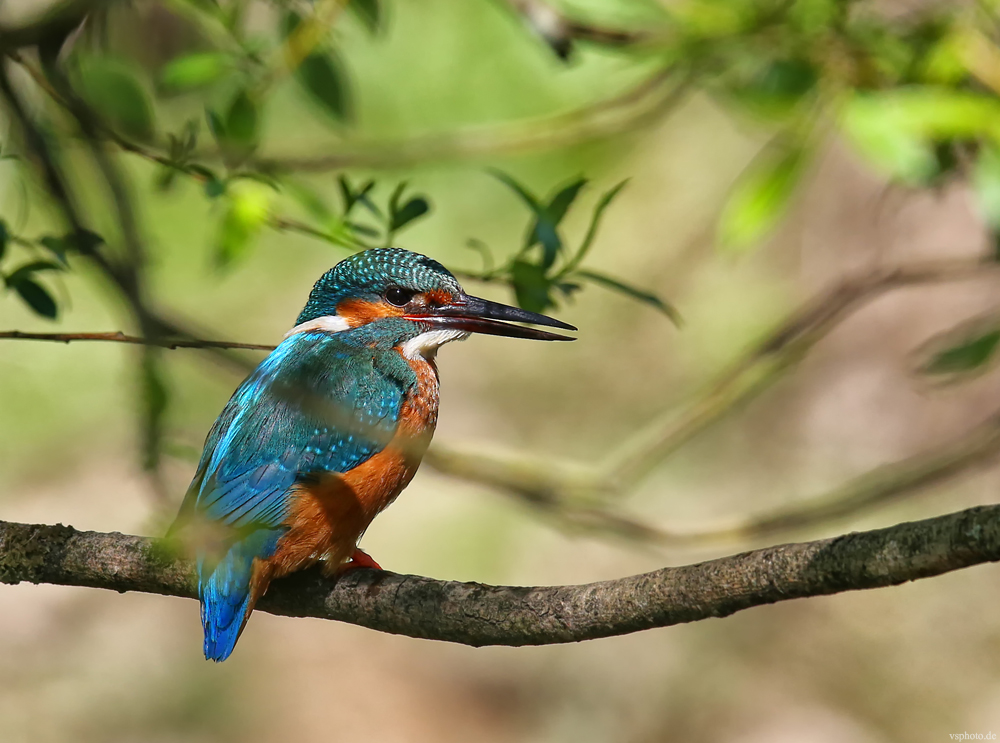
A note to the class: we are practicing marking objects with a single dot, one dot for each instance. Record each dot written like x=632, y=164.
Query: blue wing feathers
x=263, y=443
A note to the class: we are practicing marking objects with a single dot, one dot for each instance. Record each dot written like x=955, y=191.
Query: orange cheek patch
x=439, y=297
x=360, y=312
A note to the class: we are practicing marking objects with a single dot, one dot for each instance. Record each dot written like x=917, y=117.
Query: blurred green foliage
x=916, y=94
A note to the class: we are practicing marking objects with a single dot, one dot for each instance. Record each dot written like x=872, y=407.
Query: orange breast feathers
x=328, y=517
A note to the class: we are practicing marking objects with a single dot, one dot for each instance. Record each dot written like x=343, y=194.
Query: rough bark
x=476, y=614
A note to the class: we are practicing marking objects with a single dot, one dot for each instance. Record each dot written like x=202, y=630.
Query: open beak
x=475, y=315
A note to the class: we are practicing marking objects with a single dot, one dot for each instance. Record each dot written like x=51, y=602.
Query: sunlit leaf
x=369, y=12
x=322, y=76
x=113, y=89
x=896, y=129
x=986, y=182
x=760, y=198
x=532, y=288
x=36, y=296
x=195, y=70
x=249, y=208
x=944, y=65
x=641, y=295
x=814, y=16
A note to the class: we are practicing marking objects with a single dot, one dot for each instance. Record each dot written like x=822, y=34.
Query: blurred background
x=755, y=184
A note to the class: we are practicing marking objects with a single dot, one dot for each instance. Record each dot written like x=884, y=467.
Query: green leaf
x=195, y=70
x=4, y=238
x=595, y=223
x=896, y=130
x=532, y=288
x=215, y=125
x=966, y=356
x=214, y=188
x=563, y=200
x=28, y=269
x=84, y=241
x=322, y=76
x=640, y=295
x=112, y=88
x=36, y=296
x=55, y=245
x=242, y=121
x=545, y=230
x=811, y=17
x=986, y=184
x=369, y=12
x=777, y=87
x=965, y=351
x=529, y=198
x=413, y=209
x=248, y=211
x=760, y=198
x=288, y=23
x=352, y=197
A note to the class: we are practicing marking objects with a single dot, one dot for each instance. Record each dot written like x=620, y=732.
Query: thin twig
x=119, y=337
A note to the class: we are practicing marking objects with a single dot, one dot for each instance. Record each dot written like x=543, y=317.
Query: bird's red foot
x=359, y=559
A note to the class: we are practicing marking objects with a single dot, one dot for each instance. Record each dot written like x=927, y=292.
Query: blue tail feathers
x=225, y=591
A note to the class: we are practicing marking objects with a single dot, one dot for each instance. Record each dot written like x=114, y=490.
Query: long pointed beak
x=475, y=315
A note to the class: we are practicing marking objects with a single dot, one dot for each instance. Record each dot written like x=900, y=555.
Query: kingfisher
x=328, y=430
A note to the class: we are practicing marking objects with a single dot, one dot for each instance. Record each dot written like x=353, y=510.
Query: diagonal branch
x=476, y=614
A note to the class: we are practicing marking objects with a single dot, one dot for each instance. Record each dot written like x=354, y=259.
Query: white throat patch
x=329, y=323
x=427, y=344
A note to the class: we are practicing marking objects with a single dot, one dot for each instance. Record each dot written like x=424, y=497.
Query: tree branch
x=476, y=614
x=120, y=337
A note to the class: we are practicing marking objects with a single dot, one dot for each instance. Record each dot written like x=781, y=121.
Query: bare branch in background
x=476, y=614
x=782, y=349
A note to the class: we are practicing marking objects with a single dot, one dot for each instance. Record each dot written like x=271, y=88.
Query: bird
x=328, y=429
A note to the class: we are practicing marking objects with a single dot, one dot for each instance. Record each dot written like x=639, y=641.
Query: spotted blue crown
x=367, y=275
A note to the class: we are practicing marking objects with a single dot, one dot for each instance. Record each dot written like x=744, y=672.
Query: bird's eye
x=398, y=296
